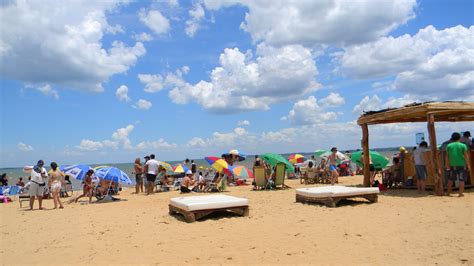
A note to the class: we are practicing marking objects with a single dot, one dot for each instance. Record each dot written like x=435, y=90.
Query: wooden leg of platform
x=189, y=217
x=372, y=198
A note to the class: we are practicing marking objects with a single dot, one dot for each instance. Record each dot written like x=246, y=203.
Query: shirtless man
x=333, y=165
x=188, y=182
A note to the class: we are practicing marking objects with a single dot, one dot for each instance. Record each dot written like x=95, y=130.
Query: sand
x=403, y=227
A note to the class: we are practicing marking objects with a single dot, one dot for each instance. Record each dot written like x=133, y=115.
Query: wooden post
x=366, y=159
x=438, y=183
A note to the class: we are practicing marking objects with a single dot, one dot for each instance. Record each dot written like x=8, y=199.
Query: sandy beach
x=402, y=228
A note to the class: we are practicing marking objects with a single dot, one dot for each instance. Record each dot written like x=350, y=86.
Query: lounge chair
x=302, y=174
x=331, y=195
x=196, y=207
x=280, y=175
x=311, y=176
x=260, y=178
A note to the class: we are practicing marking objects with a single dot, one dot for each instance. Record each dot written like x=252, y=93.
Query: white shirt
x=152, y=166
x=418, y=155
x=36, y=177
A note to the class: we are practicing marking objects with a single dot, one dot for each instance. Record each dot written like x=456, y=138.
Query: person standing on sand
x=87, y=188
x=420, y=165
x=152, y=172
x=56, y=181
x=193, y=168
x=38, y=184
x=138, y=176
x=333, y=165
x=457, y=160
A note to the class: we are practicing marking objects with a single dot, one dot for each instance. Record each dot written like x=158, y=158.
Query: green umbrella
x=273, y=159
x=378, y=160
x=320, y=152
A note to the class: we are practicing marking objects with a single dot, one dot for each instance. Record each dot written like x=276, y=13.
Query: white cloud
x=326, y=22
x=333, y=100
x=432, y=64
x=196, y=16
x=173, y=3
x=122, y=93
x=143, y=104
x=154, y=83
x=245, y=82
x=158, y=144
x=143, y=37
x=196, y=142
x=243, y=123
x=306, y=112
x=375, y=103
x=154, y=20
x=45, y=89
x=118, y=138
x=66, y=39
x=24, y=147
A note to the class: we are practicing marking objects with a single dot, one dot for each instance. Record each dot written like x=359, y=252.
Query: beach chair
x=260, y=178
x=311, y=176
x=302, y=174
x=65, y=190
x=280, y=175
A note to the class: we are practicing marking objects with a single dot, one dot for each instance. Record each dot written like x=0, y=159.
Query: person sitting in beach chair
x=392, y=176
x=324, y=176
x=164, y=182
x=311, y=174
x=188, y=182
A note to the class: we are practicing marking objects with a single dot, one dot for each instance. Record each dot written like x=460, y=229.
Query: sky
x=109, y=81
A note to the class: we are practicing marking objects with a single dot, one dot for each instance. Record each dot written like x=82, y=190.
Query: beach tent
x=417, y=112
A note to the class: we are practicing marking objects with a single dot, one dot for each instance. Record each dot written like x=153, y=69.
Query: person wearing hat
x=188, y=182
x=38, y=184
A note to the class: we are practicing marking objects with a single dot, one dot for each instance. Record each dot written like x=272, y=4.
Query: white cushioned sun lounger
x=196, y=207
x=331, y=195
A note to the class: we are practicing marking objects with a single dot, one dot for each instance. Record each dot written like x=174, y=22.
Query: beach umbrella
x=167, y=166
x=242, y=172
x=377, y=159
x=320, y=152
x=325, y=154
x=219, y=164
x=273, y=159
x=296, y=158
x=240, y=154
x=180, y=168
x=113, y=174
x=27, y=169
x=78, y=171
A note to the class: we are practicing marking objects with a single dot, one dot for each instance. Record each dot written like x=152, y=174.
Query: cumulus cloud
x=432, y=64
x=243, y=123
x=196, y=15
x=155, y=145
x=45, y=89
x=24, y=147
x=246, y=82
x=118, y=139
x=122, y=93
x=375, y=103
x=143, y=37
x=333, y=100
x=66, y=39
x=154, y=83
x=326, y=22
x=154, y=20
x=309, y=111
x=143, y=104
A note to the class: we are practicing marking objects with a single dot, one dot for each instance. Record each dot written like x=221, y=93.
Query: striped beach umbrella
x=242, y=172
x=180, y=168
x=219, y=164
x=296, y=158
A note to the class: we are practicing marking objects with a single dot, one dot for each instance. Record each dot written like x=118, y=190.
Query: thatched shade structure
x=429, y=112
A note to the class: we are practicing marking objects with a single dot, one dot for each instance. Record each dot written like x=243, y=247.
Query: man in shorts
x=333, y=165
x=457, y=161
x=420, y=166
x=151, y=173
x=38, y=184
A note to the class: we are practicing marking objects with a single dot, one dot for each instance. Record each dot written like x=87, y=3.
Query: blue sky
x=113, y=80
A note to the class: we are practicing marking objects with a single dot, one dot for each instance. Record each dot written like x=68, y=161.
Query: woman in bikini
x=56, y=181
x=87, y=188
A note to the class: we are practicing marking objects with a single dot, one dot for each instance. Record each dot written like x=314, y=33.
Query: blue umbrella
x=78, y=171
x=113, y=174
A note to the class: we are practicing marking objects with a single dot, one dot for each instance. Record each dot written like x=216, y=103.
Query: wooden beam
x=366, y=159
x=438, y=183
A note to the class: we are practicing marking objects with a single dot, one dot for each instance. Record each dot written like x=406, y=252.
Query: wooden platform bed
x=330, y=196
x=196, y=207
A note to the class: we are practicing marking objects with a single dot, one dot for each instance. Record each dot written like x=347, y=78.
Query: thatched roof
x=418, y=112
